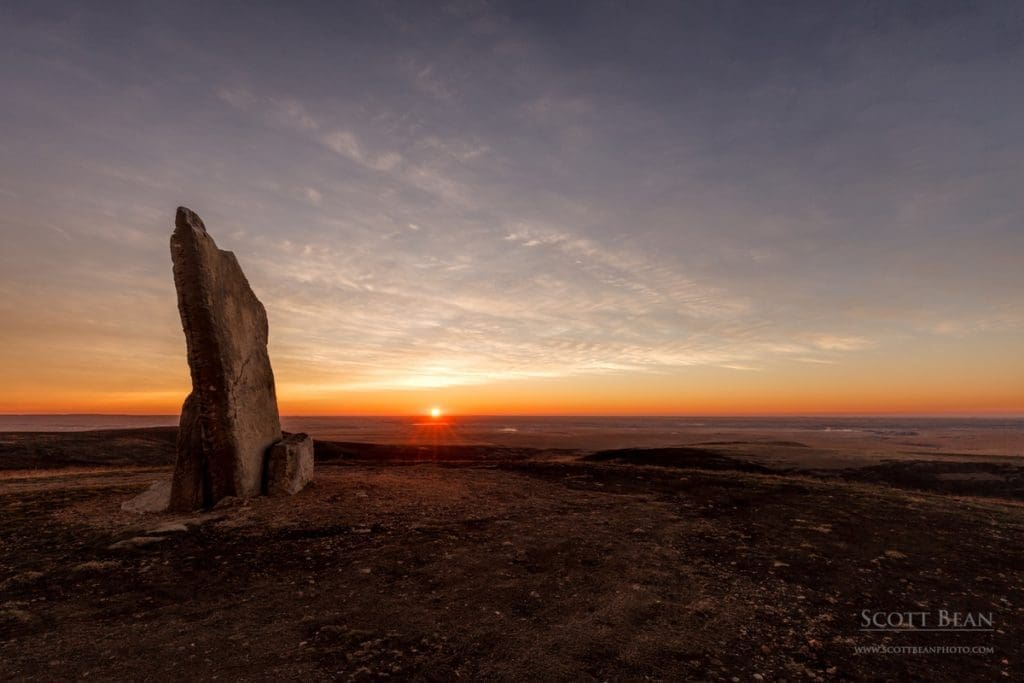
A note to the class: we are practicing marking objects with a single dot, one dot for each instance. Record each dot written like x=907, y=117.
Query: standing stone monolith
x=230, y=419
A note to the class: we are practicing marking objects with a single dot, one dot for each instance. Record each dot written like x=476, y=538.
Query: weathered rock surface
x=290, y=465
x=230, y=419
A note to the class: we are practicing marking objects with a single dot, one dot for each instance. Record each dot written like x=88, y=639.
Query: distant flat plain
x=818, y=442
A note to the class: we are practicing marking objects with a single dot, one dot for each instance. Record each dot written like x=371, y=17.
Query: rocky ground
x=503, y=564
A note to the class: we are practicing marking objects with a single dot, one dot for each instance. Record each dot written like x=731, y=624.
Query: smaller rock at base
x=154, y=499
x=290, y=465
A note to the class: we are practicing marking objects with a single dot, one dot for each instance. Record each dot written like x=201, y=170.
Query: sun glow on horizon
x=435, y=413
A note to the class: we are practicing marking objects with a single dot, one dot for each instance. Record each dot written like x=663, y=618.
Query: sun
x=435, y=412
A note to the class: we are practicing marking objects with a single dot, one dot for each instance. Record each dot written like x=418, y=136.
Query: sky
x=523, y=207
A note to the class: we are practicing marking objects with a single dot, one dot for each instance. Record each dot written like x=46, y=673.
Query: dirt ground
x=527, y=566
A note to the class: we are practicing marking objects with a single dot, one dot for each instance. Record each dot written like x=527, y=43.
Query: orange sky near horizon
x=872, y=383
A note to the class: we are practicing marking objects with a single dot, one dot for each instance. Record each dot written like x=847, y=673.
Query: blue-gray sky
x=594, y=206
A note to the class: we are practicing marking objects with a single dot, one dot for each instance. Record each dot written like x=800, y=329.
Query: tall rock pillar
x=230, y=419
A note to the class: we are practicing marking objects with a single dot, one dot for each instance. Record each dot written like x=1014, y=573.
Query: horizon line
x=851, y=415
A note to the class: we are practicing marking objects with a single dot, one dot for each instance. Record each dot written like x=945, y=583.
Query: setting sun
x=435, y=412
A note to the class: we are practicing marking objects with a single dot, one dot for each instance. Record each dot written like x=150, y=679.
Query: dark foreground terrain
x=467, y=563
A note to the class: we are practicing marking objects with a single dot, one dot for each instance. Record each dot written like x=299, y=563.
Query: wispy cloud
x=313, y=195
x=426, y=79
x=832, y=342
x=346, y=144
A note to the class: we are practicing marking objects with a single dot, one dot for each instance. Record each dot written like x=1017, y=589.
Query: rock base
x=290, y=465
